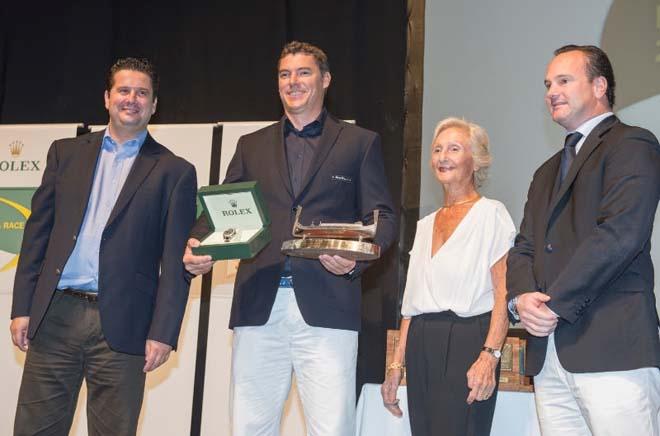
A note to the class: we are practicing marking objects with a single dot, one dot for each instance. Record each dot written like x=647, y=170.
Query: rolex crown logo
x=15, y=148
x=233, y=203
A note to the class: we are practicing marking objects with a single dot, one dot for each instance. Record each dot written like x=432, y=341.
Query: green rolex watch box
x=238, y=219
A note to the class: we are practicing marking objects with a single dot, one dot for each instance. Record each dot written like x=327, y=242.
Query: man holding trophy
x=294, y=313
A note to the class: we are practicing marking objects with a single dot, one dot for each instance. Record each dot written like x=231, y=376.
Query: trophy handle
x=371, y=229
x=356, y=230
x=297, y=231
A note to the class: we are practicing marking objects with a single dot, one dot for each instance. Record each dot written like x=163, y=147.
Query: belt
x=286, y=282
x=92, y=297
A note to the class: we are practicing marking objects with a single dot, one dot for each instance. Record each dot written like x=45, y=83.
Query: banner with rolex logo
x=23, y=150
x=209, y=147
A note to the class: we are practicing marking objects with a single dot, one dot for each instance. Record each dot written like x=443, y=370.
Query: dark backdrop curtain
x=217, y=61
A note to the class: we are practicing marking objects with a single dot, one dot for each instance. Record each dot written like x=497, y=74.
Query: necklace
x=458, y=203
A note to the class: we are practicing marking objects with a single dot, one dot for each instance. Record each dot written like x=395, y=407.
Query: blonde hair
x=479, y=144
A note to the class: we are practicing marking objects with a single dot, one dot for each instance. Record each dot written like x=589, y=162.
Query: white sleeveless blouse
x=458, y=276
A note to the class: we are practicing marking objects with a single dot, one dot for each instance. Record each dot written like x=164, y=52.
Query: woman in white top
x=454, y=309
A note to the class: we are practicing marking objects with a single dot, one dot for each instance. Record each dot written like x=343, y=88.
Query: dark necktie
x=568, y=155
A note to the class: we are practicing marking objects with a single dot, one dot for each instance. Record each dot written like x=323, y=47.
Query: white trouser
x=262, y=363
x=616, y=403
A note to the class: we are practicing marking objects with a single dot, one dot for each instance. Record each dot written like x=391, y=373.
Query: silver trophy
x=347, y=240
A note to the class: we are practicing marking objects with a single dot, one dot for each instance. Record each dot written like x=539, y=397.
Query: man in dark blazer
x=299, y=314
x=580, y=277
x=100, y=288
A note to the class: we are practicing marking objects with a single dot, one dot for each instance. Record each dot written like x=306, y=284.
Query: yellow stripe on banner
x=19, y=207
x=26, y=214
x=10, y=265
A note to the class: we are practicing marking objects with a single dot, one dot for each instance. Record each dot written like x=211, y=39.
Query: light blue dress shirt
x=114, y=163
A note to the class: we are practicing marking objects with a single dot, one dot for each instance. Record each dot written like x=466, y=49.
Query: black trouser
x=440, y=349
x=68, y=347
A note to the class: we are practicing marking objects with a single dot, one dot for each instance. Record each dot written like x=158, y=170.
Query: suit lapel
x=329, y=136
x=144, y=163
x=592, y=142
x=280, y=157
x=552, y=181
x=89, y=154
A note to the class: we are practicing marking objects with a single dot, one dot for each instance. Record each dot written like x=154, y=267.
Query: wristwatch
x=512, y=305
x=494, y=351
x=229, y=234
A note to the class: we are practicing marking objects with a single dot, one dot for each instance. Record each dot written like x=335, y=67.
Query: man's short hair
x=598, y=64
x=296, y=47
x=134, y=64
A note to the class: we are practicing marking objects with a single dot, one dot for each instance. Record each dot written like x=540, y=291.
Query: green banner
x=14, y=212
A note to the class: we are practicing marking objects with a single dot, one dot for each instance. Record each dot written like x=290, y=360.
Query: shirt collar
x=128, y=149
x=311, y=130
x=586, y=128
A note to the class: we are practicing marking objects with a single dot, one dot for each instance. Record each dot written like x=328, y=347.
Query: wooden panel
x=512, y=372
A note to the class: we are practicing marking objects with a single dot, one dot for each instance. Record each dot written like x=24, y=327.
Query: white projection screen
x=486, y=61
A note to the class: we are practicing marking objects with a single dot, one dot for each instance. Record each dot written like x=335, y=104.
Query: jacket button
x=75, y=237
x=294, y=209
x=548, y=248
x=57, y=271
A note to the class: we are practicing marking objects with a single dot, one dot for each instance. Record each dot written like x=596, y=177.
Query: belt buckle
x=286, y=282
x=90, y=297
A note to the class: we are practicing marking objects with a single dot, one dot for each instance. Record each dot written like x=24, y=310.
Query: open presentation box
x=238, y=219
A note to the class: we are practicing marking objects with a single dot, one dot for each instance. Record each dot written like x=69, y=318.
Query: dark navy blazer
x=587, y=245
x=345, y=183
x=143, y=288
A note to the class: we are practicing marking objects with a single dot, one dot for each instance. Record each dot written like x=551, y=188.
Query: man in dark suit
x=100, y=288
x=580, y=277
x=302, y=314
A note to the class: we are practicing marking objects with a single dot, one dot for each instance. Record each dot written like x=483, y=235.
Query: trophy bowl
x=348, y=240
x=312, y=248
